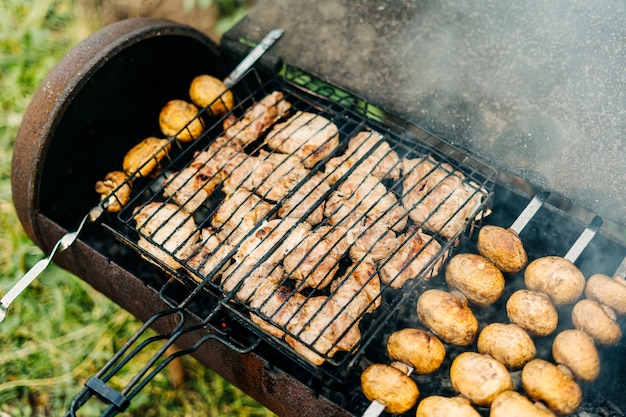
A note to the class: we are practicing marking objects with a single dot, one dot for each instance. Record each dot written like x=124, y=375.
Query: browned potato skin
x=503, y=247
x=514, y=404
x=437, y=406
x=144, y=157
x=390, y=387
x=479, y=377
x=476, y=278
x=448, y=317
x=176, y=115
x=608, y=291
x=575, y=349
x=417, y=348
x=557, y=277
x=545, y=382
x=593, y=319
x=532, y=311
x=507, y=343
x=205, y=89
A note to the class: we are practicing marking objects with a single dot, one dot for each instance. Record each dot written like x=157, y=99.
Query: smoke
x=538, y=87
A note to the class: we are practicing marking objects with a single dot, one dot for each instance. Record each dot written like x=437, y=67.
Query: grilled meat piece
x=372, y=240
x=257, y=119
x=270, y=175
x=207, y=255
x=279, y=307
x=260, y=283
x=238, y=214
x=166, y=232
x=358, y=291
x=309, y=196
x=190, y=187
x=437, y=197
x=322, y=325
x=382, y=163
x=267, y=245
x=366, y=197
x=314, y=261
x=415, y=252
x=308, y=136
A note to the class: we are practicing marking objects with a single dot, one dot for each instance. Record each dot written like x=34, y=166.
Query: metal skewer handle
x=62, y=244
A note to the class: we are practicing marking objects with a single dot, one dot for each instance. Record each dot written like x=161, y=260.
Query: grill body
x=67, y=142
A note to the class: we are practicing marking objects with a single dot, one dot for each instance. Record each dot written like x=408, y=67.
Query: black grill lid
x=538, y=90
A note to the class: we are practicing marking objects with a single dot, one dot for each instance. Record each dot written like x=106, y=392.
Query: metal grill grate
x=309, y=230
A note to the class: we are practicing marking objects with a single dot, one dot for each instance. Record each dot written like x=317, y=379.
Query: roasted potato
x=503, y=247
x=480, y=378
x=608, y=291
x=437, y=406
x=557, y=277
x=178, y=118
x=532, y=311
x=447, y=316
x=514, y=404
x=575, y=349
x=115, y=189
x=545, y=382
x=142, y=159
x=207, y=90
x=507, y=343
x=597, y=321
x=418, y=348
x=390, y=387
x=479, y=280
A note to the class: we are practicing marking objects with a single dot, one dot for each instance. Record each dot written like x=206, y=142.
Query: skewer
x=529, y=212
x=583, y=240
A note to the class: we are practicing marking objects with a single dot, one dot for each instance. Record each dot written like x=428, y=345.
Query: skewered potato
x=479, y=377
x=115, y=189
x=532, y=311
x=608, y=291
x=390, y=387
x=207, y=90
x=420, y=349
x=507, y=343
x=514, y=404
x=180, y=116
x=557, y=277
x=438, y=406
x=447, y=316
x=597, y=321
x=545, y=382
x=503, y=247
x=144, y=157
x=476, y=278
x=575, y=349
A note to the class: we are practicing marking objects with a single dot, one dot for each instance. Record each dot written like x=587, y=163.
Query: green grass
x=60, y=331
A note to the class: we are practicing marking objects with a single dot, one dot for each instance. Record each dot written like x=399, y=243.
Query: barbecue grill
x=78, y=128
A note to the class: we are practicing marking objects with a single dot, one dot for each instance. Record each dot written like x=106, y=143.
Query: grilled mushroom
x=479, y=377
x=508, y=343
x=608, y=291
x=447, y=316
x=503, y=247
x=115, y=189
x=597, y=321
x=533, y=312
x=557, y=277
x=546, y=382
x=476, y=278
x=180, y=119
x=514, y=404
x=207, y=90
x=575, y=349
x=422, y=350
x=438, y=406
x=389, y=386
x=143, y=158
